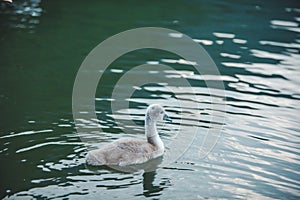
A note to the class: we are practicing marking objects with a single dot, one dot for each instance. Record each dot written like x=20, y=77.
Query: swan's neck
x=151, y=133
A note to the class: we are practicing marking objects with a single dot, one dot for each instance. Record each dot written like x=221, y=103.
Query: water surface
x=256, y=48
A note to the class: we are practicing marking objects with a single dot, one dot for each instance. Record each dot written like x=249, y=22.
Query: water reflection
x=150, y=188
x=149, y=166
x=285, y=25
x=256, y=47
x=22, y=15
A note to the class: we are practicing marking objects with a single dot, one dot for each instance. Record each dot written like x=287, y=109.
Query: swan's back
x=125, y=151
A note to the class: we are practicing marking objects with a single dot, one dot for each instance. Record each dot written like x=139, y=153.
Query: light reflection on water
x=256, y=157
x=23, y=15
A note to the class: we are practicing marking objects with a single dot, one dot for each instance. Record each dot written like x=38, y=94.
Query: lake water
x=255, y=46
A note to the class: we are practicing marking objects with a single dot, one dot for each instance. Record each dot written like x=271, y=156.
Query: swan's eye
x=162, y=112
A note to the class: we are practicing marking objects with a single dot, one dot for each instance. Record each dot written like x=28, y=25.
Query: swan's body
x=127, y=151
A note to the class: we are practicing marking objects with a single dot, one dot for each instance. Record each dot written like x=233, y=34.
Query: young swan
x=128, y=151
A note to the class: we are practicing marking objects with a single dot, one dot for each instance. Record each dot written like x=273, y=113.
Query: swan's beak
x=167, y=118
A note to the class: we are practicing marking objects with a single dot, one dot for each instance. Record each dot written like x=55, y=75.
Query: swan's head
x=156, y=112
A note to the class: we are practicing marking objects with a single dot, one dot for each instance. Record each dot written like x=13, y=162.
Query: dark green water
x=256, y=48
